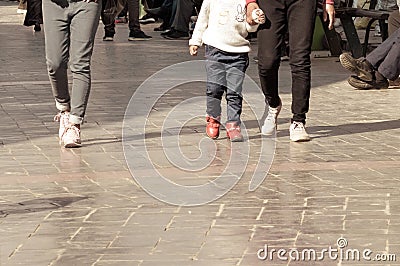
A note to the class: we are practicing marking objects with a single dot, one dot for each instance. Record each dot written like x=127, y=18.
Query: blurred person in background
x=34, y=15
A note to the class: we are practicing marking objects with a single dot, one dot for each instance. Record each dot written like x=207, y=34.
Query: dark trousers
x=108, y=19
x=152, y=3
x=34, y=14
x=297, y=17
x=225, y=73
x=184, y=10
x=386, y=57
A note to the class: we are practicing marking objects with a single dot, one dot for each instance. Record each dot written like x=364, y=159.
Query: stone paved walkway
x=82, y=206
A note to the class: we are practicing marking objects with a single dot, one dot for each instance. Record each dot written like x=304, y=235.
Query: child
x=222, y=27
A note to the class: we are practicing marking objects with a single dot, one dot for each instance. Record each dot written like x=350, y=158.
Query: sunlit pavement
x=82, y=206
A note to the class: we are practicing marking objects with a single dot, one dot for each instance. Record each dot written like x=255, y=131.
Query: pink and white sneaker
x=63, y=118
x=71, y=137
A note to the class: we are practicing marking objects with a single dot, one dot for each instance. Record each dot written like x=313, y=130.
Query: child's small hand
x=193, y=49
x=258, y=16
x=249, y=12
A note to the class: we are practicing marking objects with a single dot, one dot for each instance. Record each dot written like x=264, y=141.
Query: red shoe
x=233, y=132
x=212, y=128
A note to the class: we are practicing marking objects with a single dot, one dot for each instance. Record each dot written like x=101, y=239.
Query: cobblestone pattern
x=82, y=207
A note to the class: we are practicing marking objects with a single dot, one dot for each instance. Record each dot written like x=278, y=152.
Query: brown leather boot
x=212, y=128
x=233, y=132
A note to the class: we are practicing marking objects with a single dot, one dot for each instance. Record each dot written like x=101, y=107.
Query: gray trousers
x=70, y=28
x=386, y=57
x=394, y=21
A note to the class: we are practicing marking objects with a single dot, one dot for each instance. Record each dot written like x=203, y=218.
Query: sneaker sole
x=108, y=39
x=212, y=137
x=144, y=22
x=138, y=39
x=360, y=84
x=236, y=140
x=72, y=145
x=303, y=139
x=345, y=61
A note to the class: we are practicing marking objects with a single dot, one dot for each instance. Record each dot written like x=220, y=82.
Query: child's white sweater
x=222, y=24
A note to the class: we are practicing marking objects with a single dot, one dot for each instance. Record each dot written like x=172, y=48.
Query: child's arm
x=251, y=28
x=201, y=26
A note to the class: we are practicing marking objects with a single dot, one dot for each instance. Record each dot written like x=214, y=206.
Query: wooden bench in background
x=346, y=14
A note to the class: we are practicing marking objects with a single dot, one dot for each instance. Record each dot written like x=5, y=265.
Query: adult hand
x=193, y=50
x=250, y=7
x=329, y=13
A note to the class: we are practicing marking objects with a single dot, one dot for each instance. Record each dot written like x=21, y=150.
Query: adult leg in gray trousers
x=386, y=57
x=394, y=21
x=70, y=29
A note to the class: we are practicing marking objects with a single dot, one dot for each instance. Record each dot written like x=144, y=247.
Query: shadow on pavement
x=37, y=205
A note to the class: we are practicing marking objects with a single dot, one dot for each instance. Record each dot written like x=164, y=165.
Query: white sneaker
x=298, y=132
x=21, y=11
x=63, y=118
x=270, y=123
x=71, y=137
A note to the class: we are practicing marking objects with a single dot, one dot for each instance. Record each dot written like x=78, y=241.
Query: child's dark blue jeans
x=225, y=73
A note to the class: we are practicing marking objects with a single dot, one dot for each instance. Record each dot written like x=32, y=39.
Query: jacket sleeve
x=251, y=28
x=201, y=24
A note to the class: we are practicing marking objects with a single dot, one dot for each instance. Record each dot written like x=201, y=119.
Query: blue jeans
x=225, y=73
x=70, y=29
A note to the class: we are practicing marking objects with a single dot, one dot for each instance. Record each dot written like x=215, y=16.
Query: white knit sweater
x=222, y=24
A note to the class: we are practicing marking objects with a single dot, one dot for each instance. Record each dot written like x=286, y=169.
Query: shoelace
x=298, y=126
x=58, y=116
